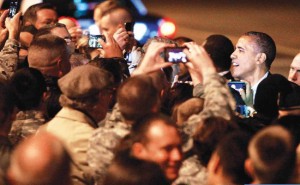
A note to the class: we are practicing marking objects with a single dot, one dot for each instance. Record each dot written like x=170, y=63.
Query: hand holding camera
x=175, y=55
x=152, y=60
x=200, y=65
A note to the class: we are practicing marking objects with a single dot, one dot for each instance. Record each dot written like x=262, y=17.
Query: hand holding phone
x=14, y=8
x=175, y=55
x=93, y=41
x=129, y=26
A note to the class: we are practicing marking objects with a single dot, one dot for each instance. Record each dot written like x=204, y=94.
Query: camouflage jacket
x=192, y=172
x=8, y=59
x=218, y=102
x=103, y=141
x=26, y=124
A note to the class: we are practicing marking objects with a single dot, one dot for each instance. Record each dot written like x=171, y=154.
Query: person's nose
x=233, y=55
x=294, y=75
x=176, y=154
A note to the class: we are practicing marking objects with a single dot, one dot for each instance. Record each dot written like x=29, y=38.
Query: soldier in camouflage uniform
x=208, y=85
x=28, y=86
x=218, y=103
x=9, y=53
x=26, y=124
x=130, y=106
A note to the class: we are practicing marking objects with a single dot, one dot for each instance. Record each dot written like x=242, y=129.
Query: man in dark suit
x=252, y=58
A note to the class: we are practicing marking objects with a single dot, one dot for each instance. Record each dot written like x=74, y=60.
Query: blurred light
x=82, y=6
x=140, y=6
x=77, y=1
x=167, y=28
x=140, y=30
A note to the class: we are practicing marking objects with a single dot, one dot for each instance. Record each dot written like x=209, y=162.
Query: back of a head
x=219, y=48
x=181, y=40
x=51, y=164
x=126, y=170
x=47, y=29
x=46, y=51
x=265, y=44
x=137, y=97
x=272, y=152
x=111, y=65
x=103, y=7
x=28, y=85
x=118, y=15
x=30, y=15
x=233, y=152
x=208, y=134
x=188, y=108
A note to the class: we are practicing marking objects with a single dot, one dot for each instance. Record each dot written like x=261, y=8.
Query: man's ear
x=138, y=150
x=260, y=58
x=214, y=163
x=249, y=167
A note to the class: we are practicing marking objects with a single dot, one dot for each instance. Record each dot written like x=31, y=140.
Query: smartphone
x=242, y=110
x=237, y=85
x=175, y=54
x=93, y=41
x=14, y=7
x=129, y=26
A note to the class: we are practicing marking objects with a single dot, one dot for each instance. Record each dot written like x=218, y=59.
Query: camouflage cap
x=85, y=81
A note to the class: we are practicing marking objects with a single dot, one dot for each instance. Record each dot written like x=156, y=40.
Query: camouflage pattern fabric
x=218, y=102
x=26, y=124
x=103, y=141
x=8, y=59
x=192, y=172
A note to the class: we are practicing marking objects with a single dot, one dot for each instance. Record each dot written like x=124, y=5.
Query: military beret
x=84, y=81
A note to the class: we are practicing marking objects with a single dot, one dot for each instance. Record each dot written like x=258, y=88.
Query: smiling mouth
x=234, y=64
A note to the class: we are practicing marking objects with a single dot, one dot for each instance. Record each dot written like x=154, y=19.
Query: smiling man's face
x=244, y=62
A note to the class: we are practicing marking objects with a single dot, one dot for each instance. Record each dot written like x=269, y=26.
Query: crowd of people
x=121, y=115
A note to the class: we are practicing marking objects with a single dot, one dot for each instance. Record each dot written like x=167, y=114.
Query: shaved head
x=40, y=159
x=113, y=19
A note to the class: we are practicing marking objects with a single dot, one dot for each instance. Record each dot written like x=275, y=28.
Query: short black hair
x=219, y=48
x=233, y=152
x=266, y=45
x=28, y=85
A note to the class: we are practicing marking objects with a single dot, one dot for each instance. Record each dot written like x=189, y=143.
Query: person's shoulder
x=110, y=136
